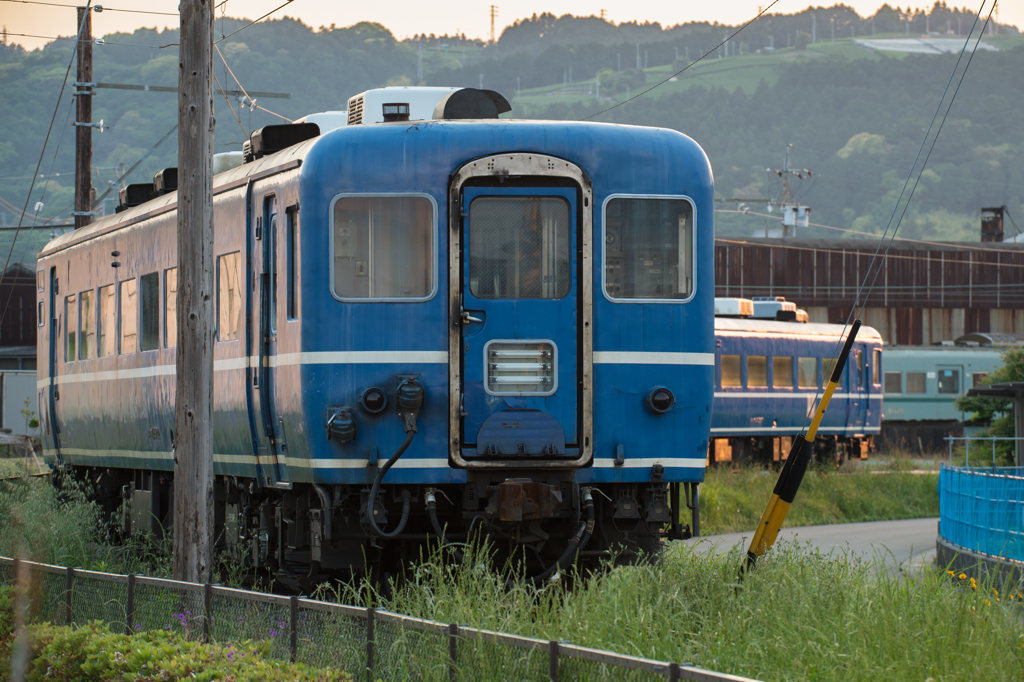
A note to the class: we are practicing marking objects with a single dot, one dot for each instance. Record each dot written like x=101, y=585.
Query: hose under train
x=375, y=490
x=576, y=543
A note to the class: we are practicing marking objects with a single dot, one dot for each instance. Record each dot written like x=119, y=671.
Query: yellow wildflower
x=963, y=576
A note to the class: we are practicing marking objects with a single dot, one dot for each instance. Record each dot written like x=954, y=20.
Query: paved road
x=909, y=543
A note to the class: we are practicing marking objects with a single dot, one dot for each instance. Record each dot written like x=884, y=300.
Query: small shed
x=1011, y=390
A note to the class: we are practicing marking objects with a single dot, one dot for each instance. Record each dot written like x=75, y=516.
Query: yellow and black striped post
x=796, y=465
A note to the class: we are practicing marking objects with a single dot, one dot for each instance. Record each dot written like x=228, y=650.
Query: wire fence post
x=949, y=439
x=993, y=454
x=293, y=642
x=967, y=453
x=69, y=614
x=553, y=660
x=129, y=610
x=673, y=672
x=371, y=614
x=453, y=651
x=207, y=610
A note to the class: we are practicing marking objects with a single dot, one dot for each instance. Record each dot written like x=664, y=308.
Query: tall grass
x=800, y=616
x=734, y=500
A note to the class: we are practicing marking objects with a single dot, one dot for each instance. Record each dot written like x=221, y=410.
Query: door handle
x=467, y=318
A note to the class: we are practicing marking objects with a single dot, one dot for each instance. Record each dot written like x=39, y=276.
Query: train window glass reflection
x=292, y=216
x=827, y=366
x=731, y=371
x=949, y=381
x=41, y=280
x=916, y=382
x=170, y=307
x=383, y=248
x=876, y=367
x=894, y=382
x=108, y=321
x=979, y=379
x=648, y=249
x=87, y=335
x=757, y=371
x=40, y=313
x=519, y=247
x=782, y=372
x=129, y=317
x=71, y=327
x=229, y=297
x=807, y=372
x=150, y=311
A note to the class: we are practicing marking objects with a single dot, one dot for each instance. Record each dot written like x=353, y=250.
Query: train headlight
x=660, y=400
x=373, y=400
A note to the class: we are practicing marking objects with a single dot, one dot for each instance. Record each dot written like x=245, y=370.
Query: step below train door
x=522, y=317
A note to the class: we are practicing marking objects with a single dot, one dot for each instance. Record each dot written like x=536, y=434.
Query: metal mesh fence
x=983, y=510
x=366, y=643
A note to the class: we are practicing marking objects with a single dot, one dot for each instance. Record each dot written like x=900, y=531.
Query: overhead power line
x=676, y=74
x=96, y=8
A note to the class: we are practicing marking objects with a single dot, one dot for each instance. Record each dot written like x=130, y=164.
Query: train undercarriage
x=536, y=523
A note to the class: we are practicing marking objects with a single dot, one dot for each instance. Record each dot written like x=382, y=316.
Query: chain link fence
x=368, y=643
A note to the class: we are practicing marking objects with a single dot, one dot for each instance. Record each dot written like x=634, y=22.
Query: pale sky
x=408, y=17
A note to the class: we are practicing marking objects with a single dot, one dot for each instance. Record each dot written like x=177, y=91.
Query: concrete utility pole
x=193, y=442
x=83, y=122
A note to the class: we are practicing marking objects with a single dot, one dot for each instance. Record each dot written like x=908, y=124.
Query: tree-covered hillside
x=855, y=117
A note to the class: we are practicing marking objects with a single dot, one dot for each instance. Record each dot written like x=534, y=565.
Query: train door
x=270, y=445
x=520, y=355
x=950, y=384
x=51, y=426
x=857, y=382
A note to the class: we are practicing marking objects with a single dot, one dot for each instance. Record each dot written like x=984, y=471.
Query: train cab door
x=520, y=348
x=857, y=382
x=49, y=422
x=269, y=432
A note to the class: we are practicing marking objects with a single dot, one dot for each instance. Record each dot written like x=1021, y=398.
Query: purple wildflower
x=273, y=633
x=231, y=656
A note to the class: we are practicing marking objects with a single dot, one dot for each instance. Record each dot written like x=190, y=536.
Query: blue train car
x=517, y=315
x=767, y=374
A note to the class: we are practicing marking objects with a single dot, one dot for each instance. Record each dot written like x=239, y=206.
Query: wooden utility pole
x=193, y=442
x=83, y=125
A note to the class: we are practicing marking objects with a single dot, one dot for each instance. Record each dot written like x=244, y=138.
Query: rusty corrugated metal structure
x=925, y=293
x=18, y=305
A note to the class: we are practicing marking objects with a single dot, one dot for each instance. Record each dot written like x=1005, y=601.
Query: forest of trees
x=857, y=123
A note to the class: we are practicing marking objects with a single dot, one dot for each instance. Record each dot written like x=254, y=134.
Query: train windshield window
x=876, y=367
x=129, y=317
x=150, y=311
x=979, y=378
x=71, y=327
x=383, y=248
x=894, y=382
x=170, y=307
x=807, y=372
x=108, y=321
x=731, y=371
x=949, y=381
x=229, y=297
x=757, y=371
x=87, y=336
x=648, y=249
x=519, y=247
x=782, y=372
x=916, y=382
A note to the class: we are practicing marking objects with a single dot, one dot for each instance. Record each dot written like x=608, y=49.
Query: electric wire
x=230, y=108
x=95, y=41
x=239, y=84
x=42, y=152
x=97, y=8
x=258, y=20
x=857, y=302
x=136, y=164
x=676, y=74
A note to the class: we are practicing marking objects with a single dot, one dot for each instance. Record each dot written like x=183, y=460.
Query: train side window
x=757, y=371
x=648, y=251
x=731, y=375
x=782, y=372
x=827, y=366
x=876, y=367
x=170, y=307
x=229, y=297
x=108, y=321
x=292, y=272
x=383, y=247
x=150, y=311
x=40, y=280
x=949, y=381
x=807, y=372
x=129, y=317
x=916, y=382
x=979, y=379
x=71, y=327
x=87, y=327
x=894, y=382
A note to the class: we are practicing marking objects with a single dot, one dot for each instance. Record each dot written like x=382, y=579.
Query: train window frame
x=87, y=351
x=149, y=282
x=693, y=249
x=876, y=367
x=976, y=381
x=40, y=281
x=954, y=374
x=887, y=375
x=291, y=246
x=70, y=335
x=241, y=300
x=120, y=316
x=792, y=377
x=112, y=331
x=434, y=248
x=746, y=373
x=739, y=367
x=816, y=381
x=924, y=383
